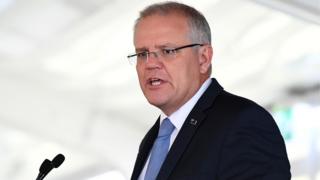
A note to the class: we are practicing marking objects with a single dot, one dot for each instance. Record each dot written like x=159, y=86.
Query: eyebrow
x=143, y=49
x=164, y=46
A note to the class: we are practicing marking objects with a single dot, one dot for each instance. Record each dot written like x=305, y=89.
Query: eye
x=142, y=55
x=168, y=51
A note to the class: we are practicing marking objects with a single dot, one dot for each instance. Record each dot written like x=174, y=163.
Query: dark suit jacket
x=224, y=137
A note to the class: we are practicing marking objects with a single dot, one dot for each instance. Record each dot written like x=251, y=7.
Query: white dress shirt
x=177, y=119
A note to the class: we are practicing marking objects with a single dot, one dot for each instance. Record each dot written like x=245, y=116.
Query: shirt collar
x=178, y=117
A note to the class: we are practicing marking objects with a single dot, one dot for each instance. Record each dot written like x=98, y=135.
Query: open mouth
x=155, y=81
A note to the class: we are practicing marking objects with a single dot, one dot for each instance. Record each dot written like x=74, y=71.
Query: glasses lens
x=168, y=53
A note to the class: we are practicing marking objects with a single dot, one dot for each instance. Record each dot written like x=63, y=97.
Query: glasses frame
x=156, y=52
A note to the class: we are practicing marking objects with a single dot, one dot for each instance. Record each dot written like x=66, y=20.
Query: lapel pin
x=193, y=121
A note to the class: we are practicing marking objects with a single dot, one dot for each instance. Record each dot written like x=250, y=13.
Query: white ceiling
x=66, y=86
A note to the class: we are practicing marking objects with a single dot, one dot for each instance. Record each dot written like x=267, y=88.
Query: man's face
x=167, y=84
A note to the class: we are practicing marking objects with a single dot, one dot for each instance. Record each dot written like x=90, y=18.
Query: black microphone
x=58, y=160
x=44, y=169
x=48, y=165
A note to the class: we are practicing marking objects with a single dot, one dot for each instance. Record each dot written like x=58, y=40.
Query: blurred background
x=67, y=87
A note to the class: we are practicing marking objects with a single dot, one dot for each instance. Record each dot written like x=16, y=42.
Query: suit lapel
x=144, y=150
x=190, y=126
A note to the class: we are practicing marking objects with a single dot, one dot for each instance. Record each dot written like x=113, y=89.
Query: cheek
x=178, y=73
x=188, y=68
x=140, y=74
x=139, y=71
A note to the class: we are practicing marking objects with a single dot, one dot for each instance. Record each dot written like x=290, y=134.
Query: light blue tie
x=159, y=150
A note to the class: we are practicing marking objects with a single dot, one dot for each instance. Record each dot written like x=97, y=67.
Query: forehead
x=161, y=29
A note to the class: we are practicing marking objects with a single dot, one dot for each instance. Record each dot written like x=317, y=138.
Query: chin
x=156, y=102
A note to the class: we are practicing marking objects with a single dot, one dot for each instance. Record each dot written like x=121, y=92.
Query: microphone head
x=46, y=166
x=58, y=160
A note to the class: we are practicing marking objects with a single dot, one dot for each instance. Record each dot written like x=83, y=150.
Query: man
x=203, y=131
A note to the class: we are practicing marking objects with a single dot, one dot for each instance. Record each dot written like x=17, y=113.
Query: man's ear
x=205, y=57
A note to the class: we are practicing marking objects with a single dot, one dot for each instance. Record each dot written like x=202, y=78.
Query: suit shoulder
x=239, y=111
x=237, y=104
x=236, y=100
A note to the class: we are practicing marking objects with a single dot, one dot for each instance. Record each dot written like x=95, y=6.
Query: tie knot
x=166, y=128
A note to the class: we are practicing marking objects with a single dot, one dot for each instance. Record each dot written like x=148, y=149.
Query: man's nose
x=153, y=56
x=153, y=60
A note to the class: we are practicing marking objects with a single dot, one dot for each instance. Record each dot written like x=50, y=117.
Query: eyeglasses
x=164, y=53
